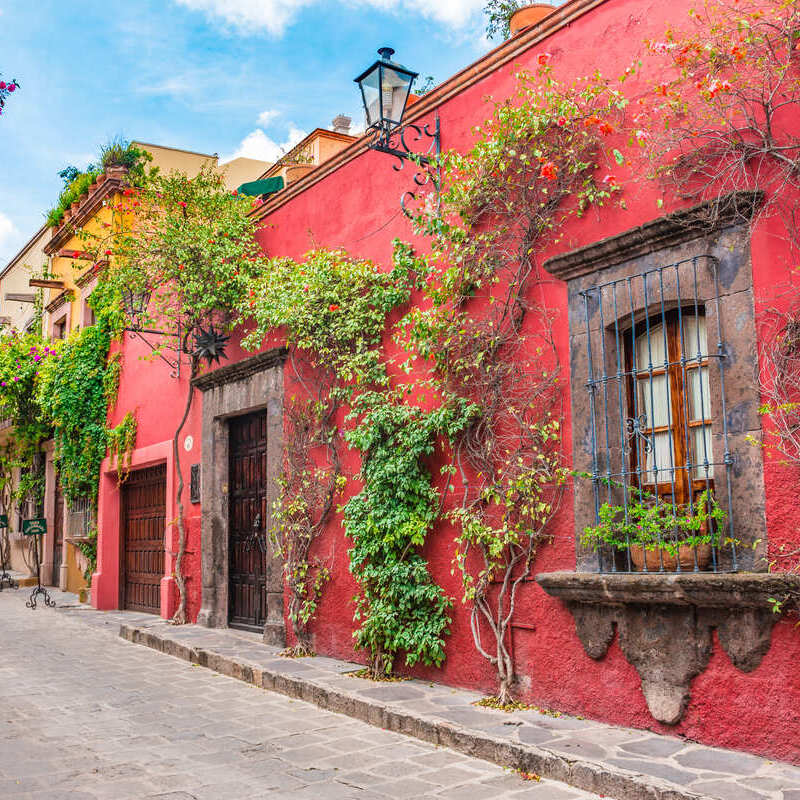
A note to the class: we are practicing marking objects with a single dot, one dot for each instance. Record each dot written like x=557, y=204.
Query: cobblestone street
x=85, y=714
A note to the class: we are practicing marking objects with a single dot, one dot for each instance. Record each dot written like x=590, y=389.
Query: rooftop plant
x=115, y=153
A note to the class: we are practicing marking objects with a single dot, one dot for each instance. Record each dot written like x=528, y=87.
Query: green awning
x=256, y=188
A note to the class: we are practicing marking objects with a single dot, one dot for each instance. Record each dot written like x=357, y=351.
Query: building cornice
x=93, y=271
x=493, y=60
x=240, y=370
x=658, y=234
x=59, y=301
x=110, y=185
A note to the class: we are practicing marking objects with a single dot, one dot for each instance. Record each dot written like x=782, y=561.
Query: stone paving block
x=405, y=788
x=724, y=761
x=439, y=758
x=450, y=776
x=658, y=748
x=722, y=790
x=656, y=769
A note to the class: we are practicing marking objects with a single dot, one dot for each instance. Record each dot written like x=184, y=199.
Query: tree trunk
x=179, y=618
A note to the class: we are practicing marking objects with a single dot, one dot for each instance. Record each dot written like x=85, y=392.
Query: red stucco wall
x=357, y=208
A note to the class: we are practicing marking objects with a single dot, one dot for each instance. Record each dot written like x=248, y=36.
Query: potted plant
x=657, y=533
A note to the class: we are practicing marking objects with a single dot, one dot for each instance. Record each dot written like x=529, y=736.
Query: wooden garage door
x=247, y=597
x=143, y=526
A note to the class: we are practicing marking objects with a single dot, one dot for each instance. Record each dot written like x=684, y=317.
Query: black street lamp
x=209, y=345
x=135, y=305
x=385, y=88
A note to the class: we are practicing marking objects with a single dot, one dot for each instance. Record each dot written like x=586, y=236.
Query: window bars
x=659, y=431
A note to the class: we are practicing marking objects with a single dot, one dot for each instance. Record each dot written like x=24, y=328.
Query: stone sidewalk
x=614, y=762
x=86, y=715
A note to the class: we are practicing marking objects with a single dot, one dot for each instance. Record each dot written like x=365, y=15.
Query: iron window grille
x=658, y=419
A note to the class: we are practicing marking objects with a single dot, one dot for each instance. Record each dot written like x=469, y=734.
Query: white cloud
x=11, y=239
x=274, y=16
x=265, y=118
x=270, y=15
x=260, y=146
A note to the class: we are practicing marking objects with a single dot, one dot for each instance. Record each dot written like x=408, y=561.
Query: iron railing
x=659, y=431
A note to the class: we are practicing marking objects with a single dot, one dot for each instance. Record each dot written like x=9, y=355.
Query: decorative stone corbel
x=665, y=623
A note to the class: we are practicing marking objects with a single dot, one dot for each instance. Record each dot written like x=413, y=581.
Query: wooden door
x=143, y=526
x=247, y=597
x=58, y=535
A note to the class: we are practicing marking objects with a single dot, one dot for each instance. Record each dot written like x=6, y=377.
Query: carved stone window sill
x=665, y=622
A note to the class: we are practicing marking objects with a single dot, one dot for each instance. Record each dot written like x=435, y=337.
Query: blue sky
x=218, y=76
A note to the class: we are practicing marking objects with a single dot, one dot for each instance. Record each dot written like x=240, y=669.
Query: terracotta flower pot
x=685, y=554
x=528, y=16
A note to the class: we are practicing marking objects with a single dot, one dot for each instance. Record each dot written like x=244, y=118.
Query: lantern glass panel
x=371, y=96
x=395, y=88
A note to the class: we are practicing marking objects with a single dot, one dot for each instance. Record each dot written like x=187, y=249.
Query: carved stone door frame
x=250, y=385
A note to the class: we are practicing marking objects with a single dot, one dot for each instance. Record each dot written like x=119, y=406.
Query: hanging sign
x=3, y=520
x=34, y=527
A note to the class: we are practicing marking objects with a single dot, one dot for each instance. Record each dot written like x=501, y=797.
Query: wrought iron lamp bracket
x=174, y=366
x=402, y=143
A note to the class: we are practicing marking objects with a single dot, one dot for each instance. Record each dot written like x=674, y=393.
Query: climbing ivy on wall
x=399, y=606
x=333, y=308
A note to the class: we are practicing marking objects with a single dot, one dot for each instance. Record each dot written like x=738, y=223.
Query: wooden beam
x=14, y=297
x=42, y=283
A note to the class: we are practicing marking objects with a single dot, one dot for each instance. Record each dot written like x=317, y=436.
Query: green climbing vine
x=399, y=606
x=333, y=308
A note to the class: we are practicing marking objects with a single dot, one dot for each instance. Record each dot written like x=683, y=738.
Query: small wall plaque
x=34, y=527
x=194, y=484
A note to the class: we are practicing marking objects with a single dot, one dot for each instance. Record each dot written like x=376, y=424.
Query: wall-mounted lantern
x=209, y=345
x=385, y=89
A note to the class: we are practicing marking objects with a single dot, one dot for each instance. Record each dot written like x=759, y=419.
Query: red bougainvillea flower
x=606, y=128
x=561, y=122
x=183, y=204
x=108, y=252
x=2, y=86
x=11, y=87
x=305, y=288
x=333, y=307
x=235, y=192
x=610, y=179
x=543, y=58
x=549, y=171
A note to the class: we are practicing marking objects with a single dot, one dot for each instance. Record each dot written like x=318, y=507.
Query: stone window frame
x=670, y=240
x=664, y=622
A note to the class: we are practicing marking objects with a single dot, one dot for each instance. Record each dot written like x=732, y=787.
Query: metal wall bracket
x=398, y=141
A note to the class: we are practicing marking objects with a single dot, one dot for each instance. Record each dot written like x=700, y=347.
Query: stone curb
x=611, y=782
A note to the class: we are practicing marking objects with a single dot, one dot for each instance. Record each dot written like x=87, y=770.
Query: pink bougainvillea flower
x=2, y=86
x=305, y=288
x=11, y=87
